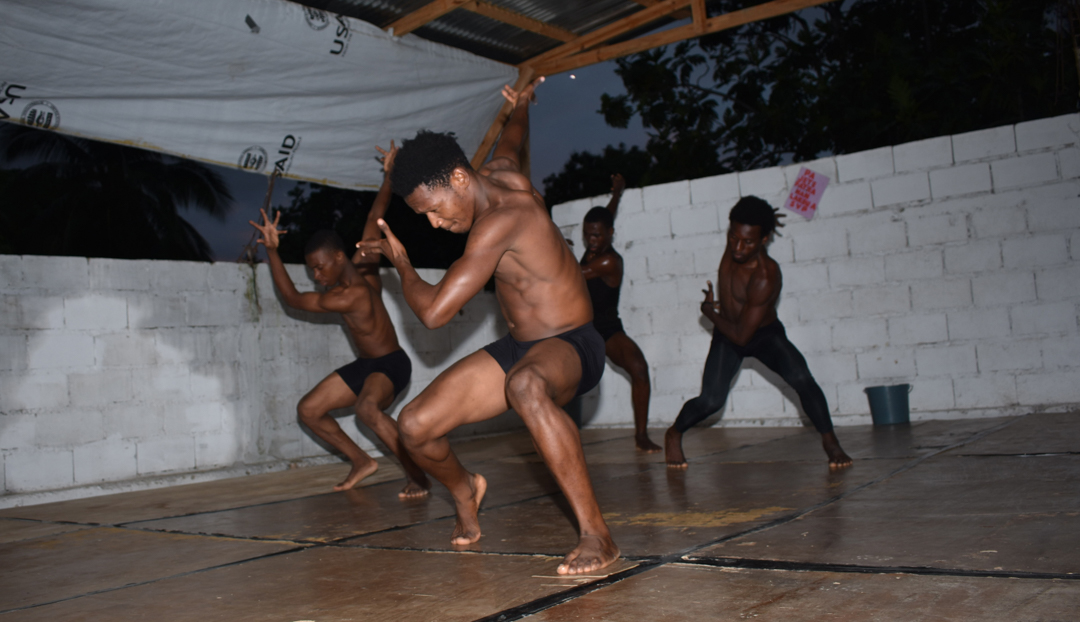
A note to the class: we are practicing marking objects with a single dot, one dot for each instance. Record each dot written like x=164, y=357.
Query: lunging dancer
x=370, y=383
x=552, y=352
x=745, y=324
x=603, y=270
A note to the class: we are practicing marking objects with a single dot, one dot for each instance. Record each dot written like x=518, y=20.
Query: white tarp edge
x=254, y=84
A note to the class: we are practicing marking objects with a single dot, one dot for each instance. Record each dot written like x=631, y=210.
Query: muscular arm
x=606, y=266
x=306, y=301
x=369, y=265
x=761, y=295
x=618, y=184
x=437, y=304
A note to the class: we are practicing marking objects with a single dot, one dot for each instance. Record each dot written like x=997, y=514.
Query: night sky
x=565, y=119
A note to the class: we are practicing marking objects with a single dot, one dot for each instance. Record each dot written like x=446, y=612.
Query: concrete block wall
x=952, y=264
x=120, y=371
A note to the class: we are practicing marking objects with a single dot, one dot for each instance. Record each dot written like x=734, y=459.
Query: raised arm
x=307, y=301
x=378, y=208
x=761, y=296
x=437, y=304
x=618, y=184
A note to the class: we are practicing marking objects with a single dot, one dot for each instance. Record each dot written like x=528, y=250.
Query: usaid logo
x=8, y=94
x=253, y=159
x=285, y=153
x=41, y=114
x=342, y=35
x=317, y=19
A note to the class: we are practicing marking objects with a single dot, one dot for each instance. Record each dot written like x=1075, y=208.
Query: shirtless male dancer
x=602, y=267
x=745, y=324
x=552, y=353
x=370, y=383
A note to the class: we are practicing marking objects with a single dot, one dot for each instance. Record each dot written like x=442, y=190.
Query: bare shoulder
x=505, y=173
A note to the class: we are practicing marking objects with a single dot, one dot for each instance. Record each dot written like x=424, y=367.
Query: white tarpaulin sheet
x=254, y=84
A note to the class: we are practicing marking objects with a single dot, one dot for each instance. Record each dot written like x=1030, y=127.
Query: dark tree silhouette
x=65, y=195
x=841, y=78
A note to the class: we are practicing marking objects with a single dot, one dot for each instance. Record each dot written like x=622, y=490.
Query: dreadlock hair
x=600, y=215
x=753, y=211
x=324, y=239
x=427, y=160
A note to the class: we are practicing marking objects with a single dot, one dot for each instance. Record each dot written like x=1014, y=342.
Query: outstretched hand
x=525, y=95
x=270, y=233
x=708, y=306
x=777, y=215
x=387, y=158
x=618, y=183
x=389, y=246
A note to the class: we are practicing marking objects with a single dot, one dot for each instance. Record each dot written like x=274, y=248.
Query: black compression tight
x=769, y=345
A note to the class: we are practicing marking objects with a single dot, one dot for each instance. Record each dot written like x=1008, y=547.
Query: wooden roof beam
x=513, y=18
x=680, y=14
x=427, y=13
x=600, y=35
x=648, y=42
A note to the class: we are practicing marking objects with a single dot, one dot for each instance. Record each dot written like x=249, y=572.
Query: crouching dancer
x=552, y=353
x=745, y=324
x=370, y=383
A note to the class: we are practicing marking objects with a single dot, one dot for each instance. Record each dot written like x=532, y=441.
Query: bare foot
x=415, y=490
x=837, y=458
x=592, y=553
x=673, y=449
x=645, y=444
x=358, y=473
x=467, y=529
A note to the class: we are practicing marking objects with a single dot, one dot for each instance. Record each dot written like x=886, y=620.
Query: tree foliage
x=840, y=78
x=94, y=199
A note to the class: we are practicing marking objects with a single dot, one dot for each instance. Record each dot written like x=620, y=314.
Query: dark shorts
x=608, y=328
x=588, y=343
x=396, y=366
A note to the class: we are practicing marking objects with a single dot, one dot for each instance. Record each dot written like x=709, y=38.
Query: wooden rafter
x=434, y=10
x=559, y=64
x=427, y=13
x=606, y=33
x=524, y=76
x=517, y=19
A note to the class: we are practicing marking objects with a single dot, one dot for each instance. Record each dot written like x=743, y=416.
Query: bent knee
x=525, y=387
x=308, y=412
x=412, y=428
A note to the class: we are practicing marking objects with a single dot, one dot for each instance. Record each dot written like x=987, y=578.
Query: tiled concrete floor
x=944, y=520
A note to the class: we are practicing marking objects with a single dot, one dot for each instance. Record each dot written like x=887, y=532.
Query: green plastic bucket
x=889, y=405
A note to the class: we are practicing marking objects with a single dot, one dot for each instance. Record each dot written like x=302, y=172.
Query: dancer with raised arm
x=552, y=352
x=745, y=324
x=370, y=383
x=602, y=267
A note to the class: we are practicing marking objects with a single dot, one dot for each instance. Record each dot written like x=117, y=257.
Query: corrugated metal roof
x=489, y=37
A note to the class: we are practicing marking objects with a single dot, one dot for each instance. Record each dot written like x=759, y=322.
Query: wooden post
x=524, y=76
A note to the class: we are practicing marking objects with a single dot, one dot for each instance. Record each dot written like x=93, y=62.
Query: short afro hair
x=753, y=211
x=600, y=215
x=427, y=160
x=324, y=239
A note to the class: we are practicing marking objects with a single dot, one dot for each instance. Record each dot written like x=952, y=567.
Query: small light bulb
x=573, y=77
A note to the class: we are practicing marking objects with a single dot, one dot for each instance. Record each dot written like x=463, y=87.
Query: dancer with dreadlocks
x=745, y=324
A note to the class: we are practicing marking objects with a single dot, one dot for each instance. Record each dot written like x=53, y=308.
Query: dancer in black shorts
x=552, y=353
x=602, y=267
x=370, y=383
x=745, y=324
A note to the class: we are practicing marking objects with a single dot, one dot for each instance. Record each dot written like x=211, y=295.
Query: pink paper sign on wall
x=805, y=196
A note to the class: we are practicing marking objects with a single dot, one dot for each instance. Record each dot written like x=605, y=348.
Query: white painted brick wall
x=927, y=263
x=960, y=279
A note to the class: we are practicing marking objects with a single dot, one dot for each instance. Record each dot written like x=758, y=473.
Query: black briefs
x=396, y=366
x=588, y=343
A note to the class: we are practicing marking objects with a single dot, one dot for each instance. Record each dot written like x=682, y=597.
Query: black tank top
x=605, y=300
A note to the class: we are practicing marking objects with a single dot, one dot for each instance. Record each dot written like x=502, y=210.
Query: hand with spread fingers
x=387, y=158
x=270, y=233
x=389, y=246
